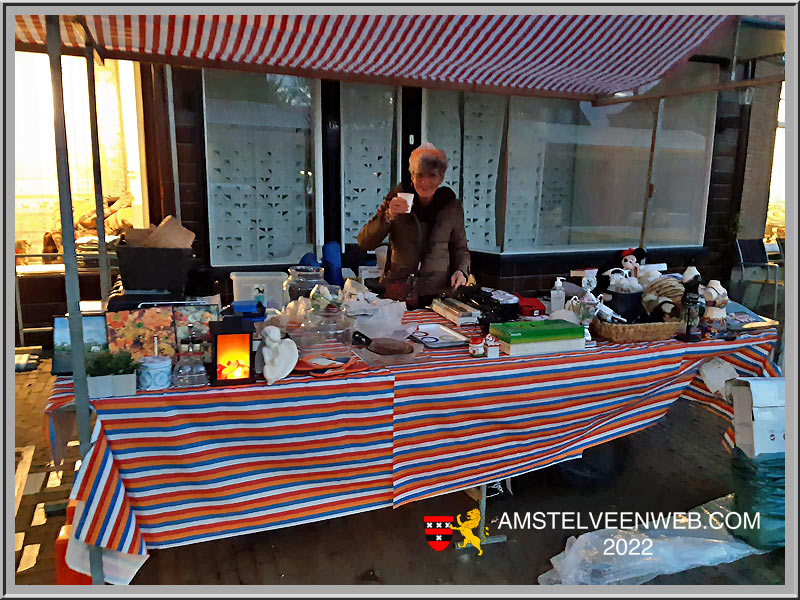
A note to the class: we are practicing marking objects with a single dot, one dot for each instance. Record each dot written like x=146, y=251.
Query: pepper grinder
x=691, y=303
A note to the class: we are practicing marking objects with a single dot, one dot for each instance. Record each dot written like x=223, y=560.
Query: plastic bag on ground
x=760, y=488
x=637, y=556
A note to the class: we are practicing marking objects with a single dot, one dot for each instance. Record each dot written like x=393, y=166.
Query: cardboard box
x=759, y=417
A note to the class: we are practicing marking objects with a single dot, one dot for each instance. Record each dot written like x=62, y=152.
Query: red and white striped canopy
x=581, y=54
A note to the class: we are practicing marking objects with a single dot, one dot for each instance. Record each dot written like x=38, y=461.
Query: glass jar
x=189, y=370
x=301, y=281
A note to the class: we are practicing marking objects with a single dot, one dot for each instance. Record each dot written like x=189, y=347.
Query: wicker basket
x=637, y=332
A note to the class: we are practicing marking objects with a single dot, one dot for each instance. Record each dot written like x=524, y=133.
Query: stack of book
x=521, y=338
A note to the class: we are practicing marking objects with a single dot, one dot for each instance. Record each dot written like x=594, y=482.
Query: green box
x=519, y=332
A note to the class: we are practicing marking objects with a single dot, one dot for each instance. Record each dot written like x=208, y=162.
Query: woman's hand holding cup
x=398, y=206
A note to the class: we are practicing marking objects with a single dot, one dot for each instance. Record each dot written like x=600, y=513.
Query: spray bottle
x=557, y=296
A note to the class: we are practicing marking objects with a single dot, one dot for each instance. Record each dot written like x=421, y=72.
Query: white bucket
x=260, y=286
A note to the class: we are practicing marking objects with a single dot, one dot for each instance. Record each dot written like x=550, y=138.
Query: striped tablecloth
x=190, y=465
x=461, y=421
x=194, y=465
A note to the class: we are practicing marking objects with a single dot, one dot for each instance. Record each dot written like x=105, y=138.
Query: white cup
x=409, y=198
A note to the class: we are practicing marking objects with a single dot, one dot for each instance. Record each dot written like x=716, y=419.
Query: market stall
x=162, y=470
x=182, y=466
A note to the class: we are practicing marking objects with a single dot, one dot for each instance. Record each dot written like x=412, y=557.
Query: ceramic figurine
x=691, y=275
x=492, y=346
x=280, y=356
x=622, y=281
x=715, y=317
x=715, y=294
x=664, y=310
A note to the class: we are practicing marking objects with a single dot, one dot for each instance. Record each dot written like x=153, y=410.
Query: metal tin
x=154, y=373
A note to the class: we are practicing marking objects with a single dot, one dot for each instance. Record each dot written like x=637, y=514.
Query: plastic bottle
x=557, y=296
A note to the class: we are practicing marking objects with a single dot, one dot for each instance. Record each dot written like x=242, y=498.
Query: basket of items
x=641, y=304
x=622, y=333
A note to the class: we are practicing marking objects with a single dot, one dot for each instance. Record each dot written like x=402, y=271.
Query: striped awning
x=577, y=54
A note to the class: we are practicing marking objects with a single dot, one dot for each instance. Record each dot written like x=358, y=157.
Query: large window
x=260, y=153
x=368, y=151
x=37, y=222
x=533, y=174
x=540, y=174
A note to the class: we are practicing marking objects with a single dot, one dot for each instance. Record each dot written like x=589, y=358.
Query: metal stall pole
x=105, y=270
x=71, y=264
x=492, y=539
x=649, y=190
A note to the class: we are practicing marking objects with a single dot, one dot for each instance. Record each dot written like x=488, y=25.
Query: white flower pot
x=111, y=386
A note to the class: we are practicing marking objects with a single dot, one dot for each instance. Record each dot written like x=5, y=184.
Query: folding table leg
x=492, y=539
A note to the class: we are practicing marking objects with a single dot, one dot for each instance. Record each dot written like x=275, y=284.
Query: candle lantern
x=233, y=352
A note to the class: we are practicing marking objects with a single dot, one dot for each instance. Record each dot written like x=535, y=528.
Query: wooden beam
x=89, y=41
x=703, y=89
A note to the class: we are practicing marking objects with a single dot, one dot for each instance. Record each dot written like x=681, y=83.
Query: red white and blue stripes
x=584, y=54
x=191, y=465
x=196, y=465
x=461, y=421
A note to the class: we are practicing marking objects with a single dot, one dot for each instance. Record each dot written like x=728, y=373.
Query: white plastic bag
x=119, y=568
x=587, y=560
x=386, y=321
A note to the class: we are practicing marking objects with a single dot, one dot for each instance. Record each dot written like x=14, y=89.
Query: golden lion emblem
x=466, y=527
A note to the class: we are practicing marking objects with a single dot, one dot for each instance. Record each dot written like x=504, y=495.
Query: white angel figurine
x=280, y=356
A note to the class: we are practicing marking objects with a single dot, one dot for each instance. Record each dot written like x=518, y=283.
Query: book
x=742, y=318
x=550, y=347
x=518, y=332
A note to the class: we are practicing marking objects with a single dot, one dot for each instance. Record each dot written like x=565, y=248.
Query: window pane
x=576, y=174
x=37, y=218
x=484, y=116
x=260, y=154
x=367, y=130
x=444, y=132
x=682, y=165
x=540, y=173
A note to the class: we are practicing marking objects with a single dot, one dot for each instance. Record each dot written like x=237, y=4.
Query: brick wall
x=760, y=148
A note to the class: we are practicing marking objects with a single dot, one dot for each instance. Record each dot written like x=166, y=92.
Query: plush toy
x=632, y=259
x=630, y=262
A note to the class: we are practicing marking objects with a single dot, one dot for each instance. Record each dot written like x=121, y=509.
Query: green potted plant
x=110, y=374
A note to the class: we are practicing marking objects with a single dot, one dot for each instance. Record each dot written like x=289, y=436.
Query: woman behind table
x=428, y=242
